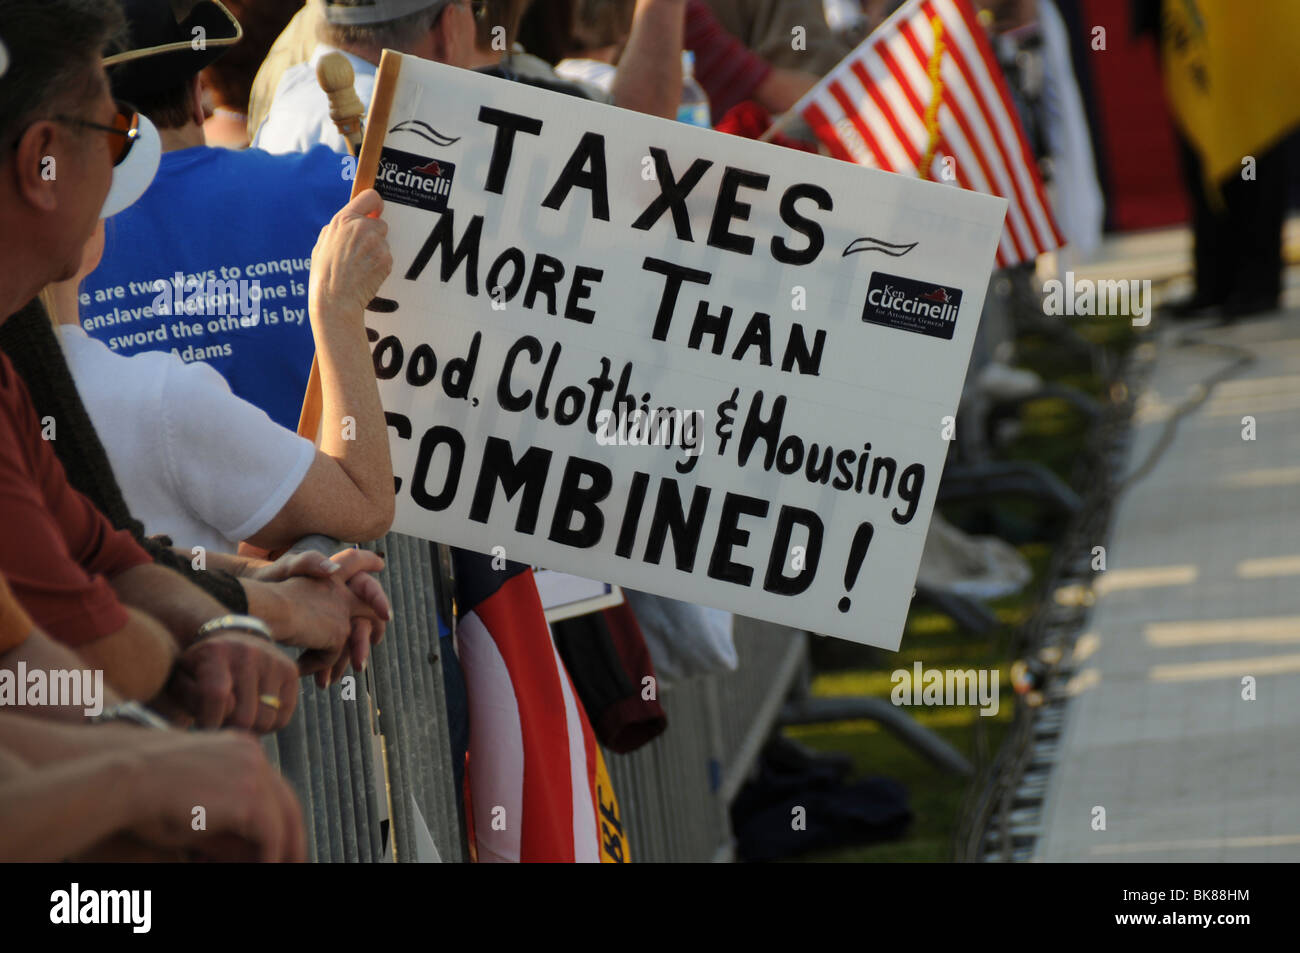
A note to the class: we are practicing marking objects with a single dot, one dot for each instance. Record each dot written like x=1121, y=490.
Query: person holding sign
x=216, y=470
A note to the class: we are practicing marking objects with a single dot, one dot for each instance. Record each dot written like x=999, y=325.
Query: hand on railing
x=331, y=607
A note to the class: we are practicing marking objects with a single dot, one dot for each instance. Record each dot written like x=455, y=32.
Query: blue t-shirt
x=212, y=264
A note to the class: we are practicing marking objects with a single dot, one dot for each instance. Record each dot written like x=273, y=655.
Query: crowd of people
x=153, y=484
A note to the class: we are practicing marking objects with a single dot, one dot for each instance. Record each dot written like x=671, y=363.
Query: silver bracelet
x=249, y=624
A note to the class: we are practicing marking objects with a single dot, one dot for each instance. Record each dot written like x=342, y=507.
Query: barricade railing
x=676, y=792
x=370, y=757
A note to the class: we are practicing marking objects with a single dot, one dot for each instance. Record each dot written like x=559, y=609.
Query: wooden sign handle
x=337, y=79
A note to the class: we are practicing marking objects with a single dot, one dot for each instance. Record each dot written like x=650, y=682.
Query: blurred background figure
x=847, y=18
x=439, y=30
x=1072, y=178
x=291, y=47
x=1233, y=81
x=228, y=83
x=600, y=31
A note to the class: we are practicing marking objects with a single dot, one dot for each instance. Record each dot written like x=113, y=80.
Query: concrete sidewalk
x=1202, y=590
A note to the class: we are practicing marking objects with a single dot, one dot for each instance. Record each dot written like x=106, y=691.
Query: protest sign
x=663, y=357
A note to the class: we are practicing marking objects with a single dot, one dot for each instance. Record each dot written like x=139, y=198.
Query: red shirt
x=728, y=70
x=56, y=548
x=14, y=624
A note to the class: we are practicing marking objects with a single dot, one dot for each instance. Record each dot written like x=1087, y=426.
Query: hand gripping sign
x=664, y=357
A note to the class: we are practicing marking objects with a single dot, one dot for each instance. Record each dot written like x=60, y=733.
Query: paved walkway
x=1202, y=590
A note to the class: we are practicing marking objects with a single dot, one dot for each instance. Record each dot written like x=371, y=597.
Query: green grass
x=1051, y=433
x=934, y=797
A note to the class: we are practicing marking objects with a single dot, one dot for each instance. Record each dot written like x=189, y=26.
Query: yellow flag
x=1232, y=70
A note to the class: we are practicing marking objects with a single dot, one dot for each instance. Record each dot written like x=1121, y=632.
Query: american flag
x=924, y=95
x=538, y=787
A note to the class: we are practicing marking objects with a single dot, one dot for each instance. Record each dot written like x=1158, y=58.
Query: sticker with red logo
x=410, y=179
x=910, y=305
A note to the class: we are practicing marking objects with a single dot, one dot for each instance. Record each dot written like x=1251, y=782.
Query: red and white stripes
x=872, y=108
x=533, y=758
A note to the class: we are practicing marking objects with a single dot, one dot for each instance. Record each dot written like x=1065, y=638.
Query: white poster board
x=570, y=280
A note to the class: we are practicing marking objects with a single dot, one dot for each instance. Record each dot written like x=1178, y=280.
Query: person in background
x=600, y=31
x=849, y=21
x=648, y=46
x=438, y=30
x=498, y=53
x=247, y=216
x=732, y=73
x=294, y=45
x=728, y=72
x=788, y=34
x=496, y=31
x=1237, y=240
x=649, y=74
x=228, y=83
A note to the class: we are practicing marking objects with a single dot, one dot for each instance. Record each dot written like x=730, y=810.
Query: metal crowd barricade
x=373, y=769
x=676, y=792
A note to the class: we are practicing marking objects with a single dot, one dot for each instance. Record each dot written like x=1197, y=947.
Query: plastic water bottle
x=694, y=107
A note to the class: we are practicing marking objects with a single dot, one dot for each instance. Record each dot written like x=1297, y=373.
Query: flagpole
x=778, y=124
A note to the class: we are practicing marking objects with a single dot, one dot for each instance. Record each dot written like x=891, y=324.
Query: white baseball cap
x=131, y=177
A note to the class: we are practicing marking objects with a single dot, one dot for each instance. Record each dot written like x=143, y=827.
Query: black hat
x=169, y=41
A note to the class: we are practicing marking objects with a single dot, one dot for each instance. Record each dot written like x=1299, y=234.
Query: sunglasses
x=122, y=134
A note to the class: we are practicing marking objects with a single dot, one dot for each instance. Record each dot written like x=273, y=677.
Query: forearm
x=176, y=603
x=782, y=88
x=353, y=431
x=38, y=741
x=41, y=653
x=265, y=599
x=649, y=77
x=136, y=659
x=63, y=809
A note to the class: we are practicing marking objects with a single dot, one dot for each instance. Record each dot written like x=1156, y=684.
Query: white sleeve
x=227, y=461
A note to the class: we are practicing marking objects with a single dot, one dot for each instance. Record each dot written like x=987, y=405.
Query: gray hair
x=54, y=50
x=400, y=34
